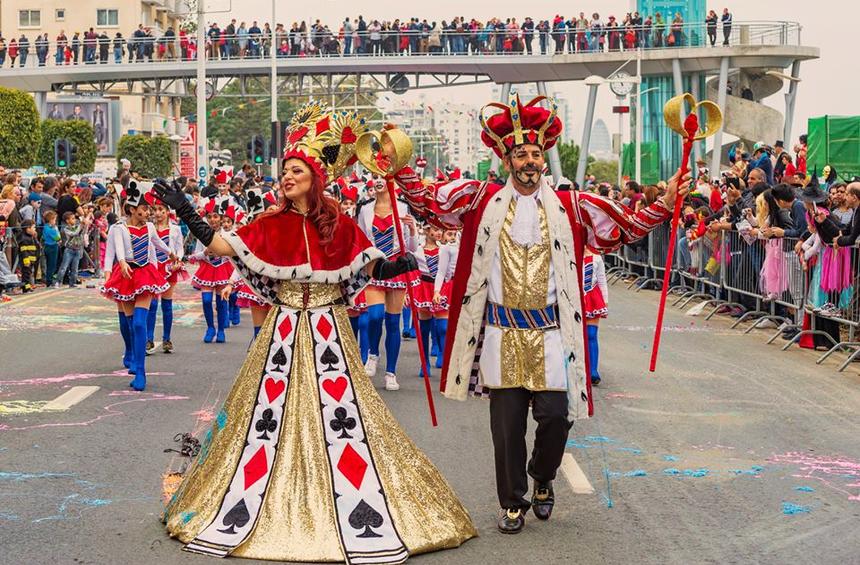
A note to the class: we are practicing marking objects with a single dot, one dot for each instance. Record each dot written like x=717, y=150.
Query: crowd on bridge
x=373, y=37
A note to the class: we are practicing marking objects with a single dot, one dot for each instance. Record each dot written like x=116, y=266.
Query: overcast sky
x=830, y=84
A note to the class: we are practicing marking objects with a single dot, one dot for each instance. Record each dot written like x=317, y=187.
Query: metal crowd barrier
x=767, y=279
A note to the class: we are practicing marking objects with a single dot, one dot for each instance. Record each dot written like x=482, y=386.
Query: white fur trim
x=303, y=272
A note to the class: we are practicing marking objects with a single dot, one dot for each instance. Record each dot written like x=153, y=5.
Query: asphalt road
x=734, y=452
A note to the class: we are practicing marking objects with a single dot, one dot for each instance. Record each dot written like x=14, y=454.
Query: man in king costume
x=516, y=318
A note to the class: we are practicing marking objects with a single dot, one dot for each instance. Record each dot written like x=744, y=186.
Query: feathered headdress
x=324, y=139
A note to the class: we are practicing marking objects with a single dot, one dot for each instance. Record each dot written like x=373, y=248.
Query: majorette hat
x=259, y=201
x=139, y=192
x=517, y=124
x=324, y=139
x=227, y=206
x=223, y=174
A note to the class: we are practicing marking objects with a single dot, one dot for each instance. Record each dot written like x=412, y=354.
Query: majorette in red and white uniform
x=213, y=271
x=380, y=232
x=596, y=293
x=137, y=246
x=437, y=269
x=172, y=237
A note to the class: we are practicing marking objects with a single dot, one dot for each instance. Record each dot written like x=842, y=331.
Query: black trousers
x=509, y=410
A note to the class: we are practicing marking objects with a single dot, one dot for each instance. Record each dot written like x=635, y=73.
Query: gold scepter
x=385, y=153
x=690, y=132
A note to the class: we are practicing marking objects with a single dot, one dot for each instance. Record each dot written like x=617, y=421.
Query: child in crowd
x=28, y=247
x=51, y=246
x=73, y=248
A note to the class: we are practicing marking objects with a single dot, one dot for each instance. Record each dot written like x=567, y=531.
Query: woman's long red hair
x=323, y=212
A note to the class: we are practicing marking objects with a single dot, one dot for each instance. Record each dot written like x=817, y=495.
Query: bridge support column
x=790, y=99
x=554, y=159
x=495, y=162
x=41, y=99
x=676, y=76
x=722, y=86
x=586, y=132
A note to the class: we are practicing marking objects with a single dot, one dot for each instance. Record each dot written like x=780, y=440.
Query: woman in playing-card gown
x=304, y=462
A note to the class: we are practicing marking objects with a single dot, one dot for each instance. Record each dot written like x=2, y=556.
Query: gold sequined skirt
x=297, y=519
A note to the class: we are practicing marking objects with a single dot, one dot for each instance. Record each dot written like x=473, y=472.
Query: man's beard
x=528, y=176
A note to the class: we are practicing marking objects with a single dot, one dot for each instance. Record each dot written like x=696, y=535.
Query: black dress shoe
x=513, y=520
x=543, y=500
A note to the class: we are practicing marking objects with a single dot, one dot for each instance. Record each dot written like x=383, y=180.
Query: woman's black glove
x=384, y=269
x=172, y=196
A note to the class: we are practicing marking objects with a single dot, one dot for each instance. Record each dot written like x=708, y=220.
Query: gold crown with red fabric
x=324, y=139
x=517, y=124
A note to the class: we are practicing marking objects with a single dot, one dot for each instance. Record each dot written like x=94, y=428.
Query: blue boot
x=392, y=341
x=139, y=332
x=132, y=360
x=151, y=317
x=235, y=313
x=223, y=310
x=206, y=298
x=125, y=332
x=426, y=326
x=593, y=354
x=441, y=326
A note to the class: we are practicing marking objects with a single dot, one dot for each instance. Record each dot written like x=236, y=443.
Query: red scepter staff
x=381, y=164
x=691, y=133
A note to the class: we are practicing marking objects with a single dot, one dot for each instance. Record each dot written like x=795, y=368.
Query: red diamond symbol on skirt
x=256, y=467
x=352, y=466
x=285, y=328
x=324, y=327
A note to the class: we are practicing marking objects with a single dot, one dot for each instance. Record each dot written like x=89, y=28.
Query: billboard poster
x=97, y=113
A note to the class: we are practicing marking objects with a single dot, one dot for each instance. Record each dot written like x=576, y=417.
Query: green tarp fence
x=834, y=141
x=650, y=162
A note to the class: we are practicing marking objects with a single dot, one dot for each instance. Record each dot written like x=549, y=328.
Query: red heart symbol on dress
x=335, y=387
x=274, y=389
x=347, y=136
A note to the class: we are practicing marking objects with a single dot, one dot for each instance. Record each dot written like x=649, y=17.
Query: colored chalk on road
x=790, y=509
x=669, y=458
x=804, y=489
x=686, y=472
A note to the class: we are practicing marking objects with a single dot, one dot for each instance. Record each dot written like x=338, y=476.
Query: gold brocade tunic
x=300, y=514
x=525, y=284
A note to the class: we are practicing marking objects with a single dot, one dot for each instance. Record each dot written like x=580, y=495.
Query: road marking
x=69, y=398
x=19, y=300
x=574, y=475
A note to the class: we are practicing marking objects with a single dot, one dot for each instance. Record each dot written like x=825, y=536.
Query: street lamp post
x=276, y=131
x=202, y=142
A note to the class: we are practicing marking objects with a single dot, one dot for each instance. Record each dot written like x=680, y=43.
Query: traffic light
x=73, y=153
x=259, y=149
x=61, y=153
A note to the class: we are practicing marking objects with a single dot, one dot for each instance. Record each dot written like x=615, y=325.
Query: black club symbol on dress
x=267, y=424
x=341, y=423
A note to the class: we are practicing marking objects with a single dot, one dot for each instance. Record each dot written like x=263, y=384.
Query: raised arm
x=609, y=224
x=440, y=204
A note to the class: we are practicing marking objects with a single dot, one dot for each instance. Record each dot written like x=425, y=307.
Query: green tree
x=20, y=134
x=243, y=118
x=569, y=156
x=604, y=171
x=80, y=133
x=150, y=156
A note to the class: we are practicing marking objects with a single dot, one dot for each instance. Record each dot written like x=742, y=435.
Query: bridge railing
x=392, y=43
